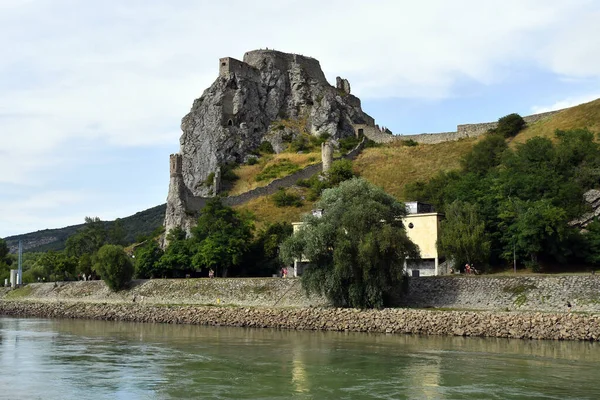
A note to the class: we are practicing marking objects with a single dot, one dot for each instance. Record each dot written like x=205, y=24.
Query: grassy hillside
x=272, y=166
x=393, y=166
x=582, y=116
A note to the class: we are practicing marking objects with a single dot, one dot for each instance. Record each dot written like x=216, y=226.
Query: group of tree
x=516, y=202
x=82, y=255
x=223, y=240
x=357, y=248
x=5, y=261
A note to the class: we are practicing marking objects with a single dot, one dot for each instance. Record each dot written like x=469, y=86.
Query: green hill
x=140, y=223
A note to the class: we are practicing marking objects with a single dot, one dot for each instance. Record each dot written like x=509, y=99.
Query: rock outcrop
x=269, y=96
x=243, y=106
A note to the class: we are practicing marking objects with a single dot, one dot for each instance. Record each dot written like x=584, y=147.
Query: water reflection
x=74, y=359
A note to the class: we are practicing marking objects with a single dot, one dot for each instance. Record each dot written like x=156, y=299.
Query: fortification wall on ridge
x=194, y=203
x=260, y=58
x=462, y=131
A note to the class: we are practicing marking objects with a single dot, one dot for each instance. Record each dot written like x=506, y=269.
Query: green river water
x=78, y=359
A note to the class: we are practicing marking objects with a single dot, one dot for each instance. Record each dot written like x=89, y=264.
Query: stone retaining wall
x=564, y=326
x=245, y=292
x=534, y=293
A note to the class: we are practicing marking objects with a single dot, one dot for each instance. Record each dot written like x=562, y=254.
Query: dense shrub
x=114, y=266
x=409, y=143
x=341, y=170
x=265, y=148
x=348, y=143
x=510, y=125
x=283, y=198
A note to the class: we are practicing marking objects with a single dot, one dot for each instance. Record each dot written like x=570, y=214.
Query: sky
x=92, y=93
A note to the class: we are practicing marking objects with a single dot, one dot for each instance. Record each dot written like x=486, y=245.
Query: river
x=80, y=359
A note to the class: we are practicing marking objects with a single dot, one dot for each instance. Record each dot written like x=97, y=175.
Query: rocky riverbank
x=523, y=325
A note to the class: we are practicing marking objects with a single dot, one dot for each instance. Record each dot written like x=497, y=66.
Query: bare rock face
x=592, y=198
x=269, y=96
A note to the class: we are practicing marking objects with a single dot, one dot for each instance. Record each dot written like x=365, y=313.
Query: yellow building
x=422, y=227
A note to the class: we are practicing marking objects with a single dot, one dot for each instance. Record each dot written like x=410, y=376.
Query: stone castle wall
x=462, y=131
x=284, y=61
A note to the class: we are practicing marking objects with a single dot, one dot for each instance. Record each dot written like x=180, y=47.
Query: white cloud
x=123, y=73
x=565, y=103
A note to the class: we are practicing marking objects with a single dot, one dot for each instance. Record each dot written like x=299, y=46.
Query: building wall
x=424, y=232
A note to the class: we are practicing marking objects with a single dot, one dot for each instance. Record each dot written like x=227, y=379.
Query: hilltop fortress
x=272, y=97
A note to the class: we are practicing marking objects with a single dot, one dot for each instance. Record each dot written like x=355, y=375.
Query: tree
x=262, y=258
x=57, y=266
x=114, y=266
x=510, y=125
x=221, y=237
x=462, y=235
x=533, y=228
x=87, y=240
x=147, y=259
x=5, y=260
x=485, y=155
x=116, y=233
x=357, y=248
x=177, y=255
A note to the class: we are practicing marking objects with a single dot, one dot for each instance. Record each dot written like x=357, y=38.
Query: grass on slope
x=247, y=173
x=266, y=212
x=582, y=116
x=394, y=165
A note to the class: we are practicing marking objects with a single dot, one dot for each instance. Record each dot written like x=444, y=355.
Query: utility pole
x=20, y=276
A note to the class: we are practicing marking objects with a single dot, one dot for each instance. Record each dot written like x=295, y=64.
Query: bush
x=284, y=199
x=282, y=167
x=409, y=143
x=510, y=125
x=114, y=266
x=227, y=172
x=301, y=143
x=265, y=148
x=341, y=170
x=348, y=143
x=252, y=161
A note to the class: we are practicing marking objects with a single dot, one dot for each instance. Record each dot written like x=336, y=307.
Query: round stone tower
x=326, y=155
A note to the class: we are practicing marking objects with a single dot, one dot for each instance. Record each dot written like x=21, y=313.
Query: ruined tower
x=326, y=155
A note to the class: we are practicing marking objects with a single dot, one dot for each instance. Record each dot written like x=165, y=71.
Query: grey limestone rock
x=269, y=96
x=243, y=106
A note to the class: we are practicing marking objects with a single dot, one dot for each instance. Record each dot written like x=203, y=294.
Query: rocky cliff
x=269, y=96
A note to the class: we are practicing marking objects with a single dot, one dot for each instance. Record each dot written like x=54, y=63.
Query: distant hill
x=140, y=223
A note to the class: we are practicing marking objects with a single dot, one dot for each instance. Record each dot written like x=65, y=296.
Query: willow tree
x=357, y=248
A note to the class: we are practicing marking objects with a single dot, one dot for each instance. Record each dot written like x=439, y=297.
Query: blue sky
x=92, y=93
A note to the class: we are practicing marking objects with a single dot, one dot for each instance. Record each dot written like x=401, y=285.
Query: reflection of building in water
x=299, y=378
x=423, y=377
